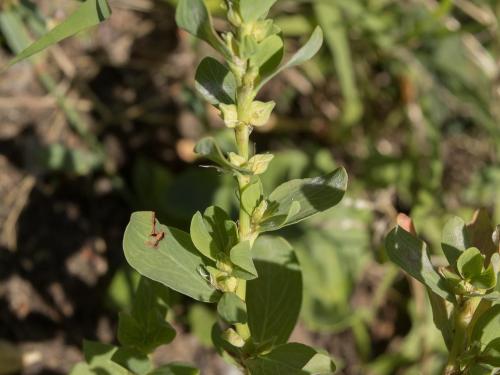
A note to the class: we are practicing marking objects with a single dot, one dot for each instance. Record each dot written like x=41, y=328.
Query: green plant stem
x=242, y=135
x=462, y=317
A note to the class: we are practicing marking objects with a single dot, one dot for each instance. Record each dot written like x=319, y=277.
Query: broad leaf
x=176, y=369
x=302, y=55
x=241, y=257
x=145, y=328
x=455, y=239
x=291, y=359
x=209, y=148
x=274, y=298
x=215, y=82
x=312, y=195
x=144, y=336
x=134, y=361
x=89, y=14
x=487, y=327
x=193, y=16
x=98, y=359
x=252, y=10
x=410, y=253
x=173, y=262
x=491, y=354
x=232, y=309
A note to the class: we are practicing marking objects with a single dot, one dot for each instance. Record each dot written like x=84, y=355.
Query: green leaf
x=89, y=14
x=141, y=336
x=487, y=327
x=251, y=196
x=410, y=253
x=193, y=16
x=252, y=10
x=213, y=233
x=455, y=239
x=174, y=262
x=471, y=267
x=269, y=55
x=491, y=354
x=232, y=309
x=291, y=359
x=481, y=369
x=302, y=55
x=215, y=82
x=241, y=256
x=470, y=264
x=176, y=369
x=441, y=317
x=274, y=298
x=99, y=360
x=201, y=237
x=314, y=195
x=208, y=147
x=134, y=361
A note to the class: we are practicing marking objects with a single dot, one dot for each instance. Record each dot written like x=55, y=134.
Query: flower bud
x=232, y=337
x=229, y=114
x=236, y=159
x=259, y=211
x=259, y=163
x=260, y=112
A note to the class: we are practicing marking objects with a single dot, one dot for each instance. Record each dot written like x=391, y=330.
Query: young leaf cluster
x=464, y=294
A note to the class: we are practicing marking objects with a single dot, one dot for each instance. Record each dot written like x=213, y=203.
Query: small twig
x=9, y=232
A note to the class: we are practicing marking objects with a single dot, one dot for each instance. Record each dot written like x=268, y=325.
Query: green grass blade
x=90, y=13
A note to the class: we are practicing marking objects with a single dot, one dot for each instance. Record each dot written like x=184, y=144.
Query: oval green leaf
x=173, y=262
x=274, y=298
x=291, y=359
x=215, y=82
x=313, y=195
x=410, y=253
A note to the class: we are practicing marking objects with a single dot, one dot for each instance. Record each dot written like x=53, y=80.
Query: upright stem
x=462, y=317
x=242, y=135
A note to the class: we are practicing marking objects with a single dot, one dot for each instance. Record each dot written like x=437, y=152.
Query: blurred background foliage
x=405, y=94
